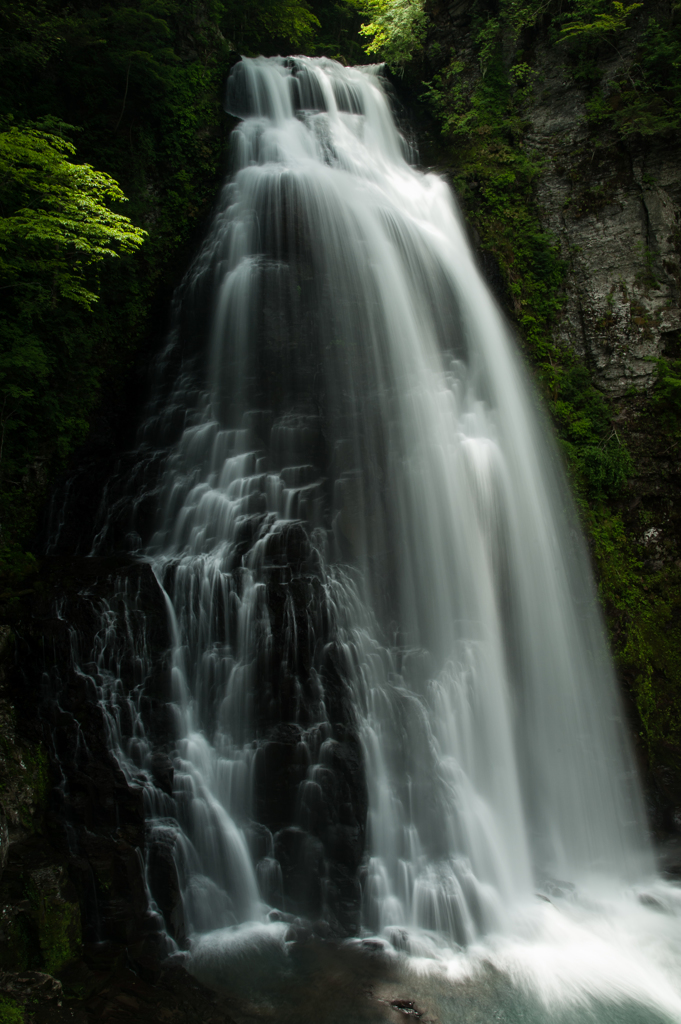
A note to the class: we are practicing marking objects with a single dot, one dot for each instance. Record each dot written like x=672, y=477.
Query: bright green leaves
x=397, y=29
x=54, y=217
x=56, y=228
x=612, y=20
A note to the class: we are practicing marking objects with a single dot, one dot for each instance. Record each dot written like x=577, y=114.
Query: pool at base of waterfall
x=568, y=960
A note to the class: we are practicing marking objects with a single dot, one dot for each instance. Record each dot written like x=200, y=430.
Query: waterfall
x=391, y=686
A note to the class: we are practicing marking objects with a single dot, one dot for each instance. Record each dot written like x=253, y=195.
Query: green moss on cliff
x=644, y=615
x=60, y=934
x=24, y=776
x=480, y=94
x=10, y=1011
x=57, y=919
x=19, y=947
x=495, y=176
x=41, y=929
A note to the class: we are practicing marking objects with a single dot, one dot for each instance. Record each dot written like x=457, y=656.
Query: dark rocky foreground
x=79, y=939
x=333, y=988
x=115, y=994
x=86, y=893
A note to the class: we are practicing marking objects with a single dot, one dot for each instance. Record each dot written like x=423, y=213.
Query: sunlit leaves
x=55, y=218
x=614, y=19
x=55, y=225
x=396, y=31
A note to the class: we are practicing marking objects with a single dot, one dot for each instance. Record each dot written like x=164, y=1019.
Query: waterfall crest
x=365, y=538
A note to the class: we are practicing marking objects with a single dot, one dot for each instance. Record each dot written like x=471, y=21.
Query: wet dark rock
x=647, y=900
x=123, y=996
x=343, y=898
x=302, y=864
x=290, y=546
x=96, y=818
x=406, y=1006
x=164, y=882
x=163, y=771
x=94, y=821
x=30, y=986
x=278, y=773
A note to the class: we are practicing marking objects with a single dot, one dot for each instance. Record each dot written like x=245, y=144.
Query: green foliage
x=338, y=35
x=487, y=40
x=644, y=97
x=54, y=218
x=479, y=99
x=604, y=468
x=396, y=31
x=59, y=929
x=251, y=23
x=449, y=96
x=28, y=35
x=10, y=1011
x=666, y=397
x=644, y=613
x=142, y=83
x=520, y=14
x=599, y=461
x=612, y=20
x=287, y=18
x=56, y=227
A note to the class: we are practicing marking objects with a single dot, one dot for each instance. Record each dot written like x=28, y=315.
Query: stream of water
x=363, y=531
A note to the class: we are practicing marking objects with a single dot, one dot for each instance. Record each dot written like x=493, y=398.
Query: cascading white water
x=360, y=380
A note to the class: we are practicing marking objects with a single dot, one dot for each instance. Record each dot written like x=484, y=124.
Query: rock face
x=23, y=768
x=75, y=873
x=610, y=201
x=318, y=824
x=82, y=864
x=616, y=210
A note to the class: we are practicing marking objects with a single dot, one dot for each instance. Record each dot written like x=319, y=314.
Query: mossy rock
x=19, y=944
x=57, y=919
x=24, y=770
x=10, y=1011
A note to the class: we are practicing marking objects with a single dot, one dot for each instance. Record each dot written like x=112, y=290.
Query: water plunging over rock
x=365, y=538
x=388, y=706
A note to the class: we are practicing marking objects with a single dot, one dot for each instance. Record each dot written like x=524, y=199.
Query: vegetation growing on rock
x=10, y=1011
x=486, y=78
